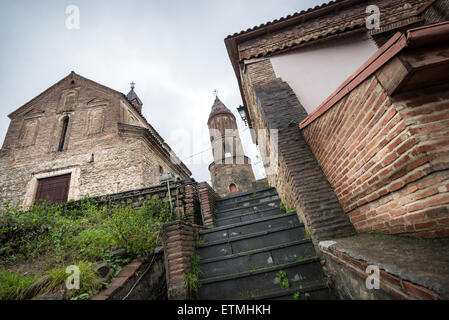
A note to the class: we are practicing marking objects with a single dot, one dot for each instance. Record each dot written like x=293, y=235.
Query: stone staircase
x=253, y=241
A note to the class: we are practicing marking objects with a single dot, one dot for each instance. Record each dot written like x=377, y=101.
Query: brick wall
x=387, y=160
x=298, y=170
x=207, y=197
x=254, y=75
x=179, y=247
x=436, y=12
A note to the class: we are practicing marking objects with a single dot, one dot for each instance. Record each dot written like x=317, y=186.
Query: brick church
x=79, y=138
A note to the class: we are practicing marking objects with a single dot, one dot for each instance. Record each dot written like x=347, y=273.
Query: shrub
x=138, y=231
x=94, y=243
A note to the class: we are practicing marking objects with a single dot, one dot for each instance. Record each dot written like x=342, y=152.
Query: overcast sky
x=173, y=50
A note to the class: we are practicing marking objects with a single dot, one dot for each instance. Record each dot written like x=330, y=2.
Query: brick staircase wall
x=299, y=172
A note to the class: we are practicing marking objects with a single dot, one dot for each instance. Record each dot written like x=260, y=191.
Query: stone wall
x=387, y=159
x=100, y=171
x=147, y=283
x=183, y=193
x=238, y=172
x=407, y=268
x=139, y=281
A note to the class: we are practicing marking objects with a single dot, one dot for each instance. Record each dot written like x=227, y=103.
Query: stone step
x=248, y=227
x=245, y=202
x=313, y=290
x=252, y=241
x=256, y=259
x=259, y=282
x=269, y=204
x=246, y=195
x=248, y=216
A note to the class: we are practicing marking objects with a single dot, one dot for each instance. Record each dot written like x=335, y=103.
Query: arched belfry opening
x=231, y=170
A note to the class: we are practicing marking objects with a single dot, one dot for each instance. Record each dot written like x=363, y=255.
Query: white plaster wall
x=315, y=72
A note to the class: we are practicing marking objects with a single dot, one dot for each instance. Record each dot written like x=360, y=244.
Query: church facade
x=80, y=138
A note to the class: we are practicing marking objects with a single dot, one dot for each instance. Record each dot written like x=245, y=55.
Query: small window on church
x=232, y=188
x=161, y=170
x=62, y=140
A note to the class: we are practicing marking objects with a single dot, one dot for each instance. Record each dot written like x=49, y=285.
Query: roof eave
x=232, y=41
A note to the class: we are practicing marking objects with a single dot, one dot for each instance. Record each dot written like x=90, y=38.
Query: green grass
x=89, y=283
x=14, y=284
x=82, y=234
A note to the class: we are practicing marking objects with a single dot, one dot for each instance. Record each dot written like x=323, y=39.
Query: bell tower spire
x=133, y=98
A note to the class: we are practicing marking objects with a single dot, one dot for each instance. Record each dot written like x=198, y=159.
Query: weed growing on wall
x=283, y=280
x=282, y=207
x=192, y=277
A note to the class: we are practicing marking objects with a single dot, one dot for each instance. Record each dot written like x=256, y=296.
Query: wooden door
x=54, y=190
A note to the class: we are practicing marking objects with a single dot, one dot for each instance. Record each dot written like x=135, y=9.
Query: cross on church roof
x=132, y=85
x=215, y=93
